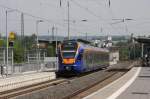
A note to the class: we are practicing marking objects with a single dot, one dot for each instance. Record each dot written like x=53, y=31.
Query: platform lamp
x=86, y=35
x=37, y=38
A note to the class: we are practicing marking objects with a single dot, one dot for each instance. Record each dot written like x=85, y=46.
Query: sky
x=100, y=17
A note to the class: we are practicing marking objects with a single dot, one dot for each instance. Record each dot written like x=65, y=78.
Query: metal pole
x=22, y=26
x=39, y=56
x=68, y=20
x=37, y=22
x=48, y=35
x=22, y=34
x=142, y=53
x=56, y=50
x=28, y=57
x=53, y=28
x=126, y=28
x=12, y=61
x=86, y=35
x=129, y=52
x=134, y=49
x=44, y=55
x=37, y=43
x=56, y=40
x=6, y=45
x=4, y=53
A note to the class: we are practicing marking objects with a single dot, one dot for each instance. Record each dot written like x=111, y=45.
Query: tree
x=18, y=51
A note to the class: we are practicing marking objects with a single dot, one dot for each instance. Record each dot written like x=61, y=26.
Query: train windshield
x=69, y=46
x=68, y=54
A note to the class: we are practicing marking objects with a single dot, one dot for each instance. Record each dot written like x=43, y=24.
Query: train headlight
x=68, y=68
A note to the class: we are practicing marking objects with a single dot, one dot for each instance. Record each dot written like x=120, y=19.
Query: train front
x=70, y=58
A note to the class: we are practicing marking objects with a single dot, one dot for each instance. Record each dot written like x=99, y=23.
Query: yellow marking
x=69, y=61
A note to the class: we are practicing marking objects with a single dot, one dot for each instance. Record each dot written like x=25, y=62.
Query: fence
x=34, y=56
x=2, y=56
x=49, y=64
x=3, y=60
x=36, y=62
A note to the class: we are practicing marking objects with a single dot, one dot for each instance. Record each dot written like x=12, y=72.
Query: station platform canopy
x=145, y=40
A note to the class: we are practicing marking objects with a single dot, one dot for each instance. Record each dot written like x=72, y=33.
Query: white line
x=124, y=87
x=109, y=97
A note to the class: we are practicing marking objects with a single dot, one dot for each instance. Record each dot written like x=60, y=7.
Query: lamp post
x=73, y=21
x=121, y=20
x=22, y=36
x=7, y=40
x=86, y=35
x=56, y=50
x=37, y=39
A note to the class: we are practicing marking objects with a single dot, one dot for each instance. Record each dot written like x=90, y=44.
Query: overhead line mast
x=68, y=20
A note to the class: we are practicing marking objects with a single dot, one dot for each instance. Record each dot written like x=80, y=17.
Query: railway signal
x=11, y=39
x=11, y=43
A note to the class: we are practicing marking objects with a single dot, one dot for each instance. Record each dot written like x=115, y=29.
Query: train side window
x=80, y=56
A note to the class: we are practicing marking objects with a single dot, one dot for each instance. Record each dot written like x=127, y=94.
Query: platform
x=133, y=85
x=25, y=80
x=140, y=88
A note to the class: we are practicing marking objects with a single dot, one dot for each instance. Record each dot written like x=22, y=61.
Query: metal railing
x=34, y=67
x=21, y=68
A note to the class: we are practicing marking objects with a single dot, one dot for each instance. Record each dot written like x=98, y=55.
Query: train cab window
x=69, y=46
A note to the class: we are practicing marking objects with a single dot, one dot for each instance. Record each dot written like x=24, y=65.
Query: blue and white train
x=77, y=57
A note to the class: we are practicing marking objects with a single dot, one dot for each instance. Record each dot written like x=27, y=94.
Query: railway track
x=38, y=86
x=95, y=87
x=31, y=88
x=118, y=72
x=28, y=89
x=62, y=88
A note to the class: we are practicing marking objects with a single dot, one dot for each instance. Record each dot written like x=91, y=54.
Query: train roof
x=78, y=40
x=87, y=45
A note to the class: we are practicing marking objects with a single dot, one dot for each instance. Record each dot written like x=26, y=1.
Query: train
x=77, y=56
